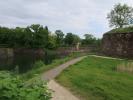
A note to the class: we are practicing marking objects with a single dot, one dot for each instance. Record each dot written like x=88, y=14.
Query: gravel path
x=106, y=57
x=51, y=74
x=59, y=92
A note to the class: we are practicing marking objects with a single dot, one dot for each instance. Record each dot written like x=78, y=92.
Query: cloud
x=77, y=16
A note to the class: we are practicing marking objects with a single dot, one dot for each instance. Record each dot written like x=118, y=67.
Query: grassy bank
x=121, y=30
x=96, y=78
x=40, y=67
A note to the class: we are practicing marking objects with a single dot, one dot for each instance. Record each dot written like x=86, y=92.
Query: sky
x=77, y=16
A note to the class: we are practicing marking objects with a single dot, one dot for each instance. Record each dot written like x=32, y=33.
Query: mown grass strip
x=96, y=78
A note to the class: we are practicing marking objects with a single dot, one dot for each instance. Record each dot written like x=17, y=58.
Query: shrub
x=38, y=64
x=13, y=88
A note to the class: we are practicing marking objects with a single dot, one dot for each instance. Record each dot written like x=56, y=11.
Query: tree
x=34, y=36
x=51, y=42
x=46, y=28
x=121, y=15
x=60, y=37
x=88, y=36
x=76, y=39
x=69, y=39
x=39, y=35
x=89, y=39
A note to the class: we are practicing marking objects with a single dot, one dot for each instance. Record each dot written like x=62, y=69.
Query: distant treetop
x=120, y=15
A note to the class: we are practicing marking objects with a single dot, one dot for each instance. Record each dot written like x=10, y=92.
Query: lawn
x=96, y=78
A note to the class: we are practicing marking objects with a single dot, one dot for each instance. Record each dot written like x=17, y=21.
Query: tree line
x=37, y=36
x=34, y=36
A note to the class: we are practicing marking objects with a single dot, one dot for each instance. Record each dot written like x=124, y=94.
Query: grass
x=40, y=67
x=121, y=30
x=96, y=78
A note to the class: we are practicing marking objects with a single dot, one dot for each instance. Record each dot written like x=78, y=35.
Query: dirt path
x=106, y=57
x=59, y=92
x=51, y=74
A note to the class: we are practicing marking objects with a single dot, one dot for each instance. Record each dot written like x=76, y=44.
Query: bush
x=38, y=64
x=13, y=88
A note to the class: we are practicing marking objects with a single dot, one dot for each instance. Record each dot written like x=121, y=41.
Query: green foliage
x=76, y=39
x=90, y=40
x=121, y=15
x=40, y=36
x=34, y=36
x=12, y=88
x=59, y=37
x=38, y=64
x=121, y=30
x=52, y=44
x=96, y=78
x=71, y=39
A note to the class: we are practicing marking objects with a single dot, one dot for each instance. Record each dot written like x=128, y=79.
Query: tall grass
x=125, y=67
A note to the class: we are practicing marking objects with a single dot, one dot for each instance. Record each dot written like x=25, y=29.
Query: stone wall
x=6, y=53
x=37, y=53
x=118, y=44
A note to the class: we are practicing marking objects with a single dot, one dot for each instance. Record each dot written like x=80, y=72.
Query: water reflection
x=24, y=61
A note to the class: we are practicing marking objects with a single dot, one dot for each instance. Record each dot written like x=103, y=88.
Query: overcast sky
x=76, y=16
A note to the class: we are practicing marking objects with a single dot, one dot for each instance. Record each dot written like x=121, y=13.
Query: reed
x=125, y=67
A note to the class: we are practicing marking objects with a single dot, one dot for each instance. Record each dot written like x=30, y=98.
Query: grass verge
x=96, y=78
x=121, y=30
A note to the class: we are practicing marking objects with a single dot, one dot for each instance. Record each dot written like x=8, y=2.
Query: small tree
x=76, y=39
x=121, y=15
x=60, y=37
x=69, y=39
x=89, y=39
x=51, y=42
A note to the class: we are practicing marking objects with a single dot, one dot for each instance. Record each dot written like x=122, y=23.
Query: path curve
x=59, y=92
x=51, y=74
